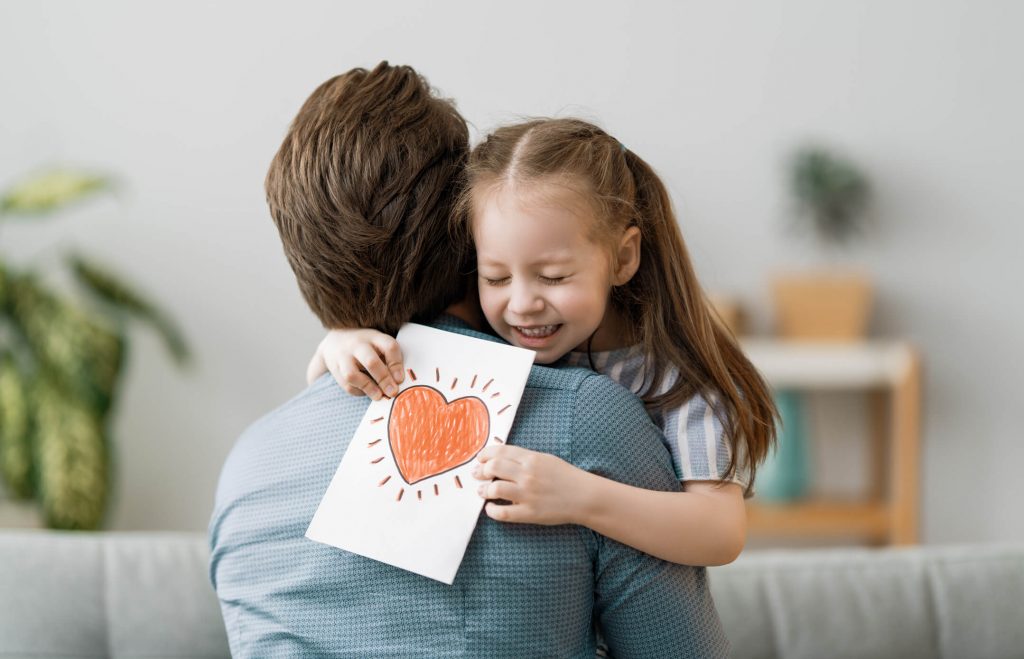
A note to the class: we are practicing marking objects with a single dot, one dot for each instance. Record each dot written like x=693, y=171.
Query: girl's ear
x=627, y=256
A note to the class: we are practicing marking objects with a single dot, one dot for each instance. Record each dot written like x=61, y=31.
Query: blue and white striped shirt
x=693, y=433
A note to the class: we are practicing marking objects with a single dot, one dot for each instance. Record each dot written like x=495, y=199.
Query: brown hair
x=362, y=192
x=663, y=303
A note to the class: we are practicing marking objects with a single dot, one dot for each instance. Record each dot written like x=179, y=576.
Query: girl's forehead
x=540, y=226
x=546, y=197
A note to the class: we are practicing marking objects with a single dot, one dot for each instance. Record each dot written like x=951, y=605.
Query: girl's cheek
x=491, y=306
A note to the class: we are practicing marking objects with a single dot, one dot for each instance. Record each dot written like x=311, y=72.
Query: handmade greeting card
x=403, y=493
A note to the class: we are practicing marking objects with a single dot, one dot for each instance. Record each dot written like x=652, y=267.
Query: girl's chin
x=545, y=350
x=544, y=359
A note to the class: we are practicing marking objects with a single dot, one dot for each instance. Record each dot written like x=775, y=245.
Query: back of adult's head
x=363, y=191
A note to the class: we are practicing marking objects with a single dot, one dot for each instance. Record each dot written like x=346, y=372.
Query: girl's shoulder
x=624, y=365
x=629, y=366
x=602, y=360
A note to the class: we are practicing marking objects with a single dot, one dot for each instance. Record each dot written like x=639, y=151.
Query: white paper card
x=403, y=493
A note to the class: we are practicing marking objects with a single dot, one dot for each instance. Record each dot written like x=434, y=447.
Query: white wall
x=188, y=102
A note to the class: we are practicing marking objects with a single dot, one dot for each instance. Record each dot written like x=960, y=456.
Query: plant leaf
x=830, y=192
x=15, y=430
x=114, y=291
x=48, y=191
x=78, y=351
x=72, y=459
x=4, y=295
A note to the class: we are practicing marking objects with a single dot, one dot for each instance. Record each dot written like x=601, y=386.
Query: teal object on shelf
x=785, y=476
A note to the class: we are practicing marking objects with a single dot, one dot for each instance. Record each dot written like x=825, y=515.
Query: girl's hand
x=363, y=361
x=542, y=488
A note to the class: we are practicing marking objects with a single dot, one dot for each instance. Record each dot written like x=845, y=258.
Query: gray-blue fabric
x=521, y=591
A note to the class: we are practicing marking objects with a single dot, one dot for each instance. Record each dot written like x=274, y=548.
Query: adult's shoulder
x=317, y=397
x=295, y=439
x=290, y=418
x=613, y=436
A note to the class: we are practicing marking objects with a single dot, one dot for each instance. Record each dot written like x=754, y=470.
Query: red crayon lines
x=452, y=387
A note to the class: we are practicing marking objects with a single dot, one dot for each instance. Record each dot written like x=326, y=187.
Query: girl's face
x=544, y=280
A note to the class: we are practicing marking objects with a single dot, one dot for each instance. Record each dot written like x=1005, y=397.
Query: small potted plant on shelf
x=831, y=197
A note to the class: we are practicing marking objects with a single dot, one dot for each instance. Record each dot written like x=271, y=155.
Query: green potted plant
x=831, y=197
x=61, y=358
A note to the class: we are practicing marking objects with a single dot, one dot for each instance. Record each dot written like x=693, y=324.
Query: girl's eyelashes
x=501, y=281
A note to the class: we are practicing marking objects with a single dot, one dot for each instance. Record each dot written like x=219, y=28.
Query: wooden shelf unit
x=890, y=372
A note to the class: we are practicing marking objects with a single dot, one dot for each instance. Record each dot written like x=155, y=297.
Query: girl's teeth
x=537, y=332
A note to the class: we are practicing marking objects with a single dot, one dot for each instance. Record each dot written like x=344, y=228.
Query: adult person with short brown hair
x=362, y=191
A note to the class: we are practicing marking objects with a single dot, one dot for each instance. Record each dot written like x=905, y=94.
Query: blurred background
x=176, y=110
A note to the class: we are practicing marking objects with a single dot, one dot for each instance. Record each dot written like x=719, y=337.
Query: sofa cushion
x=142, y=595
x=947, y=602
x=147, y=595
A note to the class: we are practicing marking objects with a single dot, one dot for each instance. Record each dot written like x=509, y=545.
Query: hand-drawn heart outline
x=429, y=435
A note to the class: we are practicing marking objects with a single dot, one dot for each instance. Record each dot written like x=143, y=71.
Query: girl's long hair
x=663, y=303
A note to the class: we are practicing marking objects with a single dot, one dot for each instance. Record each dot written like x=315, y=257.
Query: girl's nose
x=524, y=300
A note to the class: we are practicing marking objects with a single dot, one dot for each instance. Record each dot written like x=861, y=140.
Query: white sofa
x=148, y=596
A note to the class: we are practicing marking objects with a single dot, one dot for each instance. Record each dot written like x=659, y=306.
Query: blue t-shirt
x=521, y=591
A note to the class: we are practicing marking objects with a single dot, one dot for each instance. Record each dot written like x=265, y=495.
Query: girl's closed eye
x=495, y=281
x=552, y=280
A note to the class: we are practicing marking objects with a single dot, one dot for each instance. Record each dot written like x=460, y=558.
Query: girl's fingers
x=370, y=361
x=514, y=513
x=499, y=490
x=357, y=383
x=392, y=354
x=488, y=452
x=316, y=368
x=494, y=451
x=503, y=468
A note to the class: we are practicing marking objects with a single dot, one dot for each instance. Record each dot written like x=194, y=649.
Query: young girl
x=579, y=255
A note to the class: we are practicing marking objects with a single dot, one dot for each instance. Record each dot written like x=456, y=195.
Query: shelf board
x=819, y=518
x=808, y=364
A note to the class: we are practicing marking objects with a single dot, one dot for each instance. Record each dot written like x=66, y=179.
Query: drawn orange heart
x=429, y=435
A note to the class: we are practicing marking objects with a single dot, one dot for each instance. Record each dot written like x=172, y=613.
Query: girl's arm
x=362, y=361
x=704, y=525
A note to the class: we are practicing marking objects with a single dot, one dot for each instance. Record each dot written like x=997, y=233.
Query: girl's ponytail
x=677, y=327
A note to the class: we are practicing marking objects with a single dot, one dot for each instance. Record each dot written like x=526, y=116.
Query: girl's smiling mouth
x=535, y=336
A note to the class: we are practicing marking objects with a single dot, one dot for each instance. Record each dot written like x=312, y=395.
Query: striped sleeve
x=697, y=442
